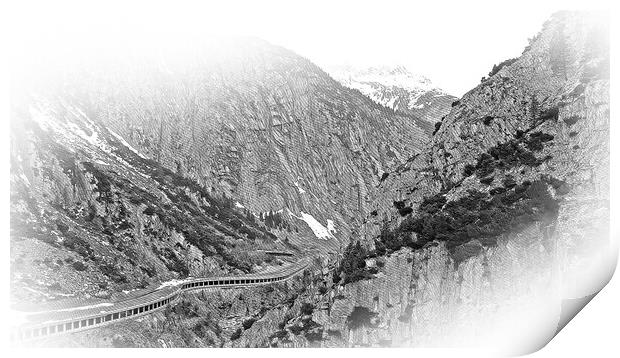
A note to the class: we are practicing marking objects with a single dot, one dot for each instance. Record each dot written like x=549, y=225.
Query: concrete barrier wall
x=94, y=321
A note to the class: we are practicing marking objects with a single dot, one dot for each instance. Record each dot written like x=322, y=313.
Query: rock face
x=509, y=205
x=248, y=119
x=90, y=215
x=145, y=162
x=397, y=88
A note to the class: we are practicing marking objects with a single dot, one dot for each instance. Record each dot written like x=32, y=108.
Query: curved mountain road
x=78, y=318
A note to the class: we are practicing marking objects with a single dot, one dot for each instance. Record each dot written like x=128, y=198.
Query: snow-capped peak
x=397, y=88
x=390, y=76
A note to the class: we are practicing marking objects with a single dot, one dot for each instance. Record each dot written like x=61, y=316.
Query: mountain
x=151, y=165
x=501, y=217
x=133, y=164
x=397, y=88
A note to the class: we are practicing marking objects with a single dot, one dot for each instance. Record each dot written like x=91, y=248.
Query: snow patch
x=390, y=103
x=72, y=132
x=320, y=231
x=171, y=283
x=301, y=190
x=238, y=205
x=124, y=142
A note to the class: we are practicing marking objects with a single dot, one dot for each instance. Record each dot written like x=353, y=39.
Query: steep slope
x=146, y=164
x=478, y=239
x=397, y=88
x=92, y=216
x=251, y=120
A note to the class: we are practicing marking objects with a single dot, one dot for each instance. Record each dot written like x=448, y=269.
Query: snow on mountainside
x=396, y=88
x=127, y=175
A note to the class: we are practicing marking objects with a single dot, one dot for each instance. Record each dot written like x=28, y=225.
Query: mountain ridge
x=243, y=127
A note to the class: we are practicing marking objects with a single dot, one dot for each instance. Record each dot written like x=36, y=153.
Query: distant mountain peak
x=392, y=76
x=396, y=87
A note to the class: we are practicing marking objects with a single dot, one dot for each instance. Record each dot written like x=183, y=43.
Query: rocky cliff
x=478, y=239
x=133, y=164
x=247, y=119
x=92, y=216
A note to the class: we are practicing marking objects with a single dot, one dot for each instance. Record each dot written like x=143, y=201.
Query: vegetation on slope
x=476, y=216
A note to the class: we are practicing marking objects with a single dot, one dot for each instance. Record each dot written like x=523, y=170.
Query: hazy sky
x=454, y=43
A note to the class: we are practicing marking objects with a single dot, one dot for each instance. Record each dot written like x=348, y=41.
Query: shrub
x=465, y=251
x=571, y=120
x=498, y=67
x=536, y=140
x=469, y=170
x=79, y=266
x=485, y=165
x=185, y=309
x=551, y=113
x=437, y=127
x=314, y=336
x=405, y=211
x=279, y=334
x=487, y=180
x=247, y=324
x=236, y=334
x=122, y=342
x=506, y=155
x=519, y=134
x=353, y=263
x=487, y=120
x=173, y=262
x=509, y=182
x=111, y=271
x=296, y=329
x=360, y=317
x=272, y=220
x=78, y=245
x=102, y=182
x=334, y=333
x=474, y=216
x=306, y=308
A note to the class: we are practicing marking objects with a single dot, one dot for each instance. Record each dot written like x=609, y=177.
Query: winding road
x=78, y=318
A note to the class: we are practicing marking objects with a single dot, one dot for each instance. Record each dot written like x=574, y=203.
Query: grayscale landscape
x=225, y=191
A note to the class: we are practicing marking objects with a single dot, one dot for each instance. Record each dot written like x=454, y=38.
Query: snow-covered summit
x=395, y=87
x=397, y=76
